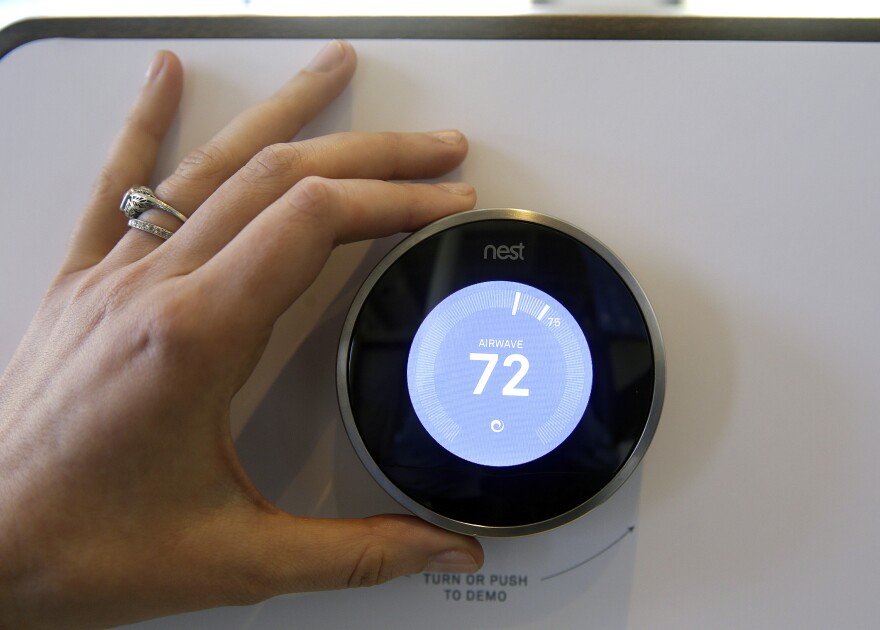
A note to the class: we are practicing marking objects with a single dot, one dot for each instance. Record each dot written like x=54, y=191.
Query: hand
x=122, y=496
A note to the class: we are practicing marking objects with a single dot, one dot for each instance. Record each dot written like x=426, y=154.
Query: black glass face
x=622, y=373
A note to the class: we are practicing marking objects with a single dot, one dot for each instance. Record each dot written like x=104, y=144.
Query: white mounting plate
x=739, y=183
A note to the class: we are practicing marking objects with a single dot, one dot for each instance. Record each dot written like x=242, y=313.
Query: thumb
x=301, y=554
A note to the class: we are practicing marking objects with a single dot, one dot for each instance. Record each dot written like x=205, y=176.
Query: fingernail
x=449, y=136
x=457, y=188
x=452, y=561
x=156, y=66
x=329, y=57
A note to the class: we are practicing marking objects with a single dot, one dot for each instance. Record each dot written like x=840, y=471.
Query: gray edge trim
x=653, y=330
x=535, y=26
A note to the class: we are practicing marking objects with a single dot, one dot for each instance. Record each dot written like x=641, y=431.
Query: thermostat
x=500, y=373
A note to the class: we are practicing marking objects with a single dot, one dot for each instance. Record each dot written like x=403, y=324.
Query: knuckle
x=210, y=160
x=98, y=296
x=391, y=138
x=395, y=150
x=170, y=330
x=371, y=568
x=397, y=142
x=145, y=125
x=163, y=325
x=311, y=200
x=112, y=288
x=274, y=163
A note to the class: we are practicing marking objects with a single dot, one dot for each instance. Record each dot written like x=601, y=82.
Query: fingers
x=298, y=555
x=130, y=162
x=275, y=258
x=277, y=119
x=276, y=169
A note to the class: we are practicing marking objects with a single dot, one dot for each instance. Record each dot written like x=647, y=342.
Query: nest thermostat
x=500, y=373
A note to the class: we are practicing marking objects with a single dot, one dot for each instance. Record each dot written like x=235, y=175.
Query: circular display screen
x=499, y=373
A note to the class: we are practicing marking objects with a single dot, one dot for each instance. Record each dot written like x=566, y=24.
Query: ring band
x=139, y=199
x=152, y=228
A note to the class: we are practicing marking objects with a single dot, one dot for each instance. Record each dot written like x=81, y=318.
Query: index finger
x=260, y=273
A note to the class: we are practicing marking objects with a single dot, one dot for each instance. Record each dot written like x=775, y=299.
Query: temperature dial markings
x=530, y=305
x=543, y=312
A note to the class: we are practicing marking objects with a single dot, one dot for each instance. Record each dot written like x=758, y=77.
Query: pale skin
x=122, y=496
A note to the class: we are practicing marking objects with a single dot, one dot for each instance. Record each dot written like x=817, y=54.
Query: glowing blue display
x=499, y=373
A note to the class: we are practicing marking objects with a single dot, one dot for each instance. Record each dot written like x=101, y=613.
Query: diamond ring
x=152, y=228
x=139, y=199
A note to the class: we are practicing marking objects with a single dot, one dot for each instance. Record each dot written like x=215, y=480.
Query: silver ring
x=139, y=199
x=152, y=228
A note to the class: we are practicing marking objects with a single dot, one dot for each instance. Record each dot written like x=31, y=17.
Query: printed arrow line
x=594, y=556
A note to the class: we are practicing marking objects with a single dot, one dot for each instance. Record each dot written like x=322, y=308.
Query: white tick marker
x=543, y=312
x=516, y=303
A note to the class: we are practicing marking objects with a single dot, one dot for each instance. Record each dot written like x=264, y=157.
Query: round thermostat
x=500, y=373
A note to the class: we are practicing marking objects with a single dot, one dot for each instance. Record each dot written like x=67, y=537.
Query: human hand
x=122, y=495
